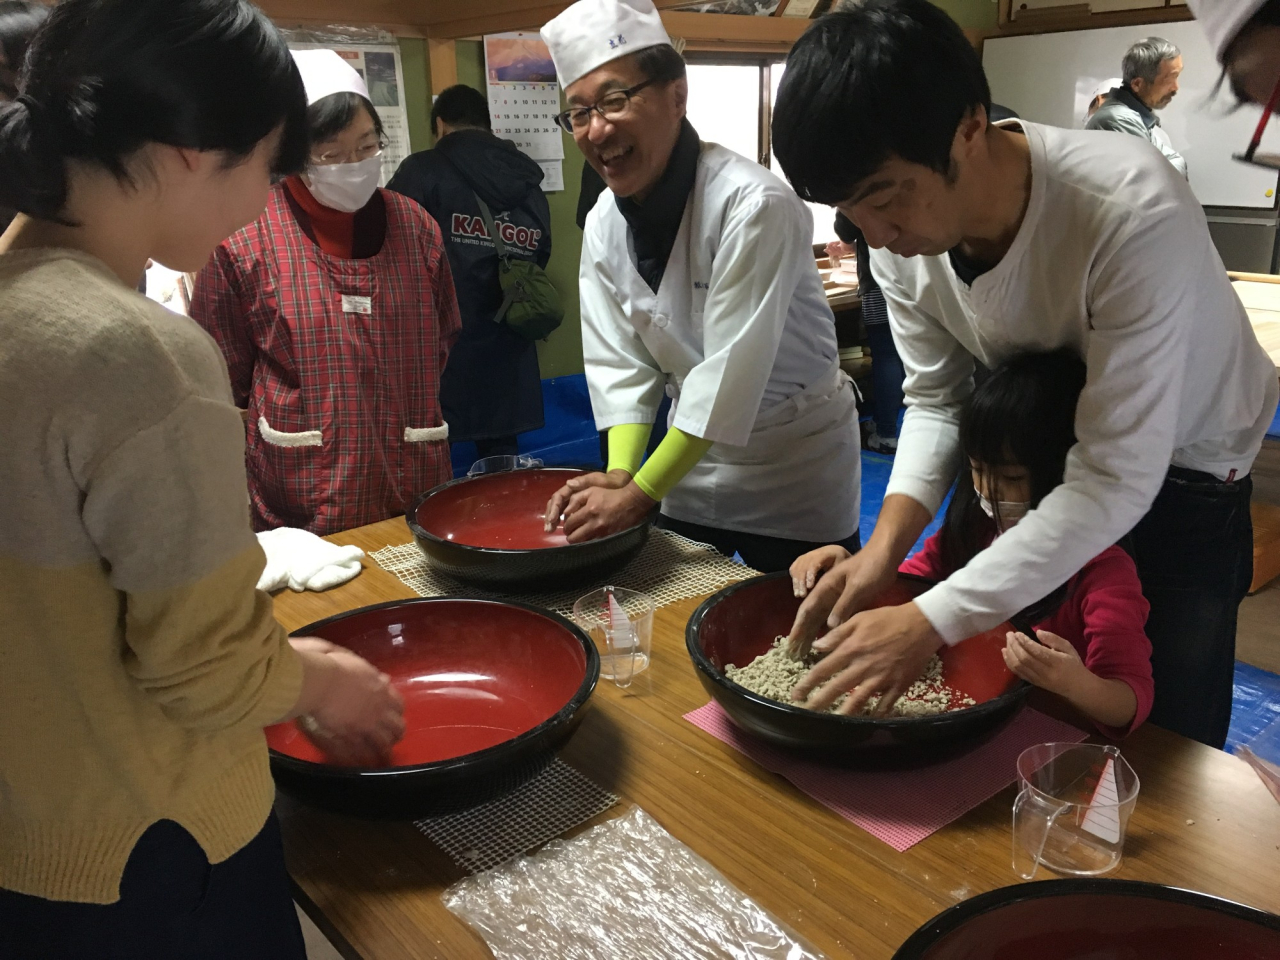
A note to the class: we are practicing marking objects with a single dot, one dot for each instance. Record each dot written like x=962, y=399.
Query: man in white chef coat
x=990, y=241
x=698, y=279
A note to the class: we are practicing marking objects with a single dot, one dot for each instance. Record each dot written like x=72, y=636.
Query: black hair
x=461, y=106
x=329, y=116
x=19, y=21
x=886, y=78
x=661, y=63
x=1023, y=413
x=105, y=78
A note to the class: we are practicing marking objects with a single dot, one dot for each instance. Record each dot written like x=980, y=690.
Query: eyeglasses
x=1269, y=160
x=612, y=106
x=365, y=152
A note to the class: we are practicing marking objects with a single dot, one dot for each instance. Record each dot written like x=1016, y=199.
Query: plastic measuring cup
x=621, y=624
x=1072, y=809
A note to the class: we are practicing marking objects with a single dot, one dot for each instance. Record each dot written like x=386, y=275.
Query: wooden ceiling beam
x=701, y=31
x=403, y=17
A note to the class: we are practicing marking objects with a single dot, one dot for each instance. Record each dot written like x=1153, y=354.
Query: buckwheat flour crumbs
x=774, y=675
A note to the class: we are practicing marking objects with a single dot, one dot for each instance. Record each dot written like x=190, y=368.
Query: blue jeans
x=1194, y=551
x=173, y=905
x=887, y=375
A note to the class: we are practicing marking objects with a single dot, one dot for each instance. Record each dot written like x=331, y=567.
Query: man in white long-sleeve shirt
x=992, y=241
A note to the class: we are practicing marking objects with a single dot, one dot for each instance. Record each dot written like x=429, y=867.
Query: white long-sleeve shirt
x=1114, y=260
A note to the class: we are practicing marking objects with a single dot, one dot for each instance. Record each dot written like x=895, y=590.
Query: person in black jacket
x=491, y=389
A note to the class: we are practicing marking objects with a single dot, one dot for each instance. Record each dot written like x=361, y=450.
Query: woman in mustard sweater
x=138, y=664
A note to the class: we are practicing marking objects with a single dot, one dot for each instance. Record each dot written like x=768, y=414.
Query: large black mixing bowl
x=742, y=621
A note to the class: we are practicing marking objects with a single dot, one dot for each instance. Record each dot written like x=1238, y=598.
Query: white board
x=1049, y=78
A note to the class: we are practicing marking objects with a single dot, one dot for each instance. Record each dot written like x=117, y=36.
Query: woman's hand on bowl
x=347, y=708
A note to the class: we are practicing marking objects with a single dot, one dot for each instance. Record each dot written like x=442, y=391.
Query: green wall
x=562, y=353
x=972, y=14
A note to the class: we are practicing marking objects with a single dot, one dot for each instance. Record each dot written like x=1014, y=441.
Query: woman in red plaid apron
x=335, y=312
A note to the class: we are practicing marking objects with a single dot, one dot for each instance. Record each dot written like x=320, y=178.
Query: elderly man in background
x=1151, y=68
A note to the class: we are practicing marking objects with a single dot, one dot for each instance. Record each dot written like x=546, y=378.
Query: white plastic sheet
x=624, y=889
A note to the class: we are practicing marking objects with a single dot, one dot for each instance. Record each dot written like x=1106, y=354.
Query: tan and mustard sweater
x=138, y=663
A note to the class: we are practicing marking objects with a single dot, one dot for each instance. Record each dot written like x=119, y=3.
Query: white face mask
x=345, y=186
x=1010, y=511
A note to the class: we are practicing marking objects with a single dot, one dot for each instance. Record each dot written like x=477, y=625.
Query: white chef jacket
x=1113, y=260
x=740, y=333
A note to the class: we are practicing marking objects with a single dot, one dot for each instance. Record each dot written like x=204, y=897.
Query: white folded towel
x=302, y=561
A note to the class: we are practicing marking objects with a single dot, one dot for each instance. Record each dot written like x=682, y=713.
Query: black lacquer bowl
x=492, y=690
x=742, y=621
x=489, y=530
x=1095, y=919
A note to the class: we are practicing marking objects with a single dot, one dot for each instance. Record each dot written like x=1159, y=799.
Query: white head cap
x=324, y=73
x=1105, y=87
x=592, y=33
x=1223, y=20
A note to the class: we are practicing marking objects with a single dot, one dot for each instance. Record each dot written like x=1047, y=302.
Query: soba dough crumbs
x=774, y=675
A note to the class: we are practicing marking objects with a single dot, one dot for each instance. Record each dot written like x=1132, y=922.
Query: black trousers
x=1194, y=552
x=766, y=554
x=173, y=906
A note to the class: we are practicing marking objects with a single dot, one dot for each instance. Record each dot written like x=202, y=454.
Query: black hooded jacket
x=491, y=386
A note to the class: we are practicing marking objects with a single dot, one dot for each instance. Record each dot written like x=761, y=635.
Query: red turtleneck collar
x=333, y=230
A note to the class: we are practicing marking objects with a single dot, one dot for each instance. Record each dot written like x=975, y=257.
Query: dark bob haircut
x=105, y=78
x=888, y=78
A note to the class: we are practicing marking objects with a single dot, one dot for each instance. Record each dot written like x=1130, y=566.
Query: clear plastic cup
x=1263, y=754
x=503, y=464
x=620, y=622
x=1072, y=810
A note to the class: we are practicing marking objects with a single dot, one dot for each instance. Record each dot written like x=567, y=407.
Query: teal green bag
x=530, y=304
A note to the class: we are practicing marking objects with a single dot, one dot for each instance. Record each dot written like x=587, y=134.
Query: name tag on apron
x=353, y=304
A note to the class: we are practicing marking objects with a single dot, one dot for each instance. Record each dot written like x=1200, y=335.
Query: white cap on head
x=324, y=73
x=1223, y=20
x=592, y=33
x=1105, y=87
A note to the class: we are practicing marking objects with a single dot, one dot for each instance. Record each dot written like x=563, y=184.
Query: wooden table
x=1203, y=821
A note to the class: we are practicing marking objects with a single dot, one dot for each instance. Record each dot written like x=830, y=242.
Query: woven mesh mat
x=551, y=804
x=668, y=568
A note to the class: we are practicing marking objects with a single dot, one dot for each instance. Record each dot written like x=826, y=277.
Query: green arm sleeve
x=627, y=442
x=675, y=456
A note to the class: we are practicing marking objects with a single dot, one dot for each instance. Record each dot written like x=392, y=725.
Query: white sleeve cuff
x=939, y=608
x=918, y=489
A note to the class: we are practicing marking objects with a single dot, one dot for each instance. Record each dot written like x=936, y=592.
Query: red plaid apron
x=338, y=363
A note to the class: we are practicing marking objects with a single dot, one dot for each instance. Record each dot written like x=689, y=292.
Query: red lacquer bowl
x=1095, y=918
x=489, y=529
x=742, y=621
x=491, y=691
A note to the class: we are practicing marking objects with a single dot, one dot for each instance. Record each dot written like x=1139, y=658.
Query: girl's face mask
x=1011, y=511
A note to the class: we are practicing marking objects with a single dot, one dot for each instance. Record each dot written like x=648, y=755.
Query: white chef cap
x=592, y=33
x=324, y=73
x=1105, y=87
x=1223, y=20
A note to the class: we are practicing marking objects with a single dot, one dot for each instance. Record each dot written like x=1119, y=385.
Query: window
x=726, y=106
